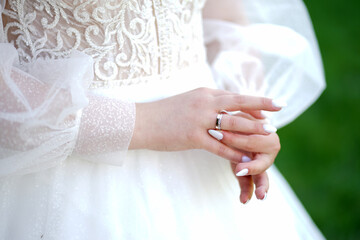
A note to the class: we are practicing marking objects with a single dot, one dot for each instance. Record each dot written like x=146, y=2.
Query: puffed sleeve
x=265, y=48
x=48, y=114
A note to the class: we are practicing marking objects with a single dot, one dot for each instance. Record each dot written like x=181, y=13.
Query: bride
x=118, y=123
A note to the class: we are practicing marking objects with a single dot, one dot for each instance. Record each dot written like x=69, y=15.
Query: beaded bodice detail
x=130, y=40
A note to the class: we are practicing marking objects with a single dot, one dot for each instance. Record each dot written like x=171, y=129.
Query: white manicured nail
x=216, y=134
x=263, y=199
x=242, y=172
x=269, y=128
x=279, y=103
x=263, y=114
x=245, y=159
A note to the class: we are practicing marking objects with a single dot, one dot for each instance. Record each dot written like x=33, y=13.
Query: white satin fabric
x=154, y=195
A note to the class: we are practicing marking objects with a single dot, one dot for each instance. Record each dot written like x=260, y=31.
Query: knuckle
x=204, y=90
x=266, y=102
x=231, y=140
x=232, y=123
x=250, y=144
x=240, y=99
x=221, y=151
x=270, y=162
x=277, y=145
x=258, y=127
x=265, y=164
x=256, y=169
x=263, y=101
x=233, y=156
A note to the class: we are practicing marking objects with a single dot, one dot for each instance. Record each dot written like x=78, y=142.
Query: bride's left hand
x=246, y=184
x=261, y=180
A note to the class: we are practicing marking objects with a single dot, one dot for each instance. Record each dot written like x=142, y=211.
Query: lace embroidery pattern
x=129, y=40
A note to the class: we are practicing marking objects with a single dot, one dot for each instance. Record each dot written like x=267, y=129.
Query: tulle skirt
x=153, y=195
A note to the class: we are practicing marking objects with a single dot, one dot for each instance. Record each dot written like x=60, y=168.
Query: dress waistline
x=156, y=87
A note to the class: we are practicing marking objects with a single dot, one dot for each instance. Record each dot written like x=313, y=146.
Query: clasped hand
x=184, y=122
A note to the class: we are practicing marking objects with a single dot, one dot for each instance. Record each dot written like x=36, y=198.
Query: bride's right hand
x=182, y=122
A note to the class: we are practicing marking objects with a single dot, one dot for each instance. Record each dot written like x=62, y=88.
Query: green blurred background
x=321, y=149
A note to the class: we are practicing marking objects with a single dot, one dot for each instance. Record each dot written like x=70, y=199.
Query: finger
x=247, y=103
x=262, y=185
x=244, y=125
x=246, y=186
x=259, y=165
x=213, y=145
x=252, y=143
x=240, y=114
x=257, y=114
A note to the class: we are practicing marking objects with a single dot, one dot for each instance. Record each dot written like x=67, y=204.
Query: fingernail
x=246, y=202
x=279, y=103
x=263, y=114
x=242, y=172
x=265, y=195
x=245, y=159
x=216, y=134
x=269, y=128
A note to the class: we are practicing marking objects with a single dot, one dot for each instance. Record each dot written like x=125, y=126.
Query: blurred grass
x=320, y=154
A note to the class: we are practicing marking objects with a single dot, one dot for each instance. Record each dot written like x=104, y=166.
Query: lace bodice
x=129, y=40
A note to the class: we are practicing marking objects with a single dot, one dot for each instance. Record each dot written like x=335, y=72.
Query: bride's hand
x=182, y=122
x=246, y=183
x=260, y=180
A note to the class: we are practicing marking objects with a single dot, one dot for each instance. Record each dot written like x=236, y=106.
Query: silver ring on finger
x=218, y=120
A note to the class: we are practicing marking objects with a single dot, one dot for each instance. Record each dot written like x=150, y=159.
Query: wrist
x=136, y=139
x=143, y=137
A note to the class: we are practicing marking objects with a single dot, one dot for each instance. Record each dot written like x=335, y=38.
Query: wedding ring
x=219, y=117
x=218, y=121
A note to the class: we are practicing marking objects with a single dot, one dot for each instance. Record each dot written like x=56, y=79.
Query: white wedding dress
x=70, y=72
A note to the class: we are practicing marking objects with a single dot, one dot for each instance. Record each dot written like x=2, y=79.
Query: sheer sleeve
x=265, y=48
x=48, y=114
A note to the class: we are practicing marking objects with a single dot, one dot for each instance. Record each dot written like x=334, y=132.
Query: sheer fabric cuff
x=106, y=129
